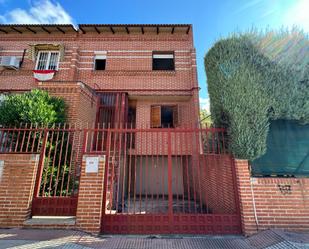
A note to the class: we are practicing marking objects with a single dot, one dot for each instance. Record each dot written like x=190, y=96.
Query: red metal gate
x=162, y=181
x=55, y=191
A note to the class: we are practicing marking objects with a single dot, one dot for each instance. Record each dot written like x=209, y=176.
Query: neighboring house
x=141, y=74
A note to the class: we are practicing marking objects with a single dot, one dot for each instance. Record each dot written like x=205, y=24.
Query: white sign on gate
x=92, y=164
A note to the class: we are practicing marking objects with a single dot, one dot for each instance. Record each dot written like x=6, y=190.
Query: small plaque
x=92, y=164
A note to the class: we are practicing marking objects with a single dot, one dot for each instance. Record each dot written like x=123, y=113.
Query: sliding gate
x=163, y=181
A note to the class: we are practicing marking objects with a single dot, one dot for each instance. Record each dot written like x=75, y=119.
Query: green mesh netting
x=287, y=150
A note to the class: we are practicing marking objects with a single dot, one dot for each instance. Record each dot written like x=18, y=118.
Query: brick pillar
x=90, y=197
x=17, y=180
x=247, y=213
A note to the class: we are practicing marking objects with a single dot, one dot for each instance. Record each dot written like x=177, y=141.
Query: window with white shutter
x=47, y=60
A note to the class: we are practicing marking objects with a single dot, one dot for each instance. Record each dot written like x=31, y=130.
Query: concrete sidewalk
x=38, y=238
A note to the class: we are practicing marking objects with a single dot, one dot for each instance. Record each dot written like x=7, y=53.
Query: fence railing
x=61, y=148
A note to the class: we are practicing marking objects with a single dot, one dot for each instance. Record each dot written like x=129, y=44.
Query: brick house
x=147, y=72
x=132, y=96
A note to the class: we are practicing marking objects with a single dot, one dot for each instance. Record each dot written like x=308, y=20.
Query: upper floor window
x=163, y=61
x=47, y=60
x=100, y=62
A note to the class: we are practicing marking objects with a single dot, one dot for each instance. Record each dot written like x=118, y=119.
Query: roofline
x=79, y=27
x=137, y=25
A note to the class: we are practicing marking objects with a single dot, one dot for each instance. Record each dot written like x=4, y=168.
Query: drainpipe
x=252, y=180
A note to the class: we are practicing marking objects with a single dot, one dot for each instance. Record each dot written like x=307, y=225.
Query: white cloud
x=41, y=11
x=205, y=104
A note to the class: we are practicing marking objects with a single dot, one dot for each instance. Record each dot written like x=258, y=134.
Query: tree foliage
x=205, y=117
x=254, y=78
x=32, y=107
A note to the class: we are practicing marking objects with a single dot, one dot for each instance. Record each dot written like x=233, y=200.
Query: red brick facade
x=17, y=181
x=280, y=203
x=128, y=68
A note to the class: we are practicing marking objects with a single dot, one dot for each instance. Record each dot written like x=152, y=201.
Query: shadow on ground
x=38, y=238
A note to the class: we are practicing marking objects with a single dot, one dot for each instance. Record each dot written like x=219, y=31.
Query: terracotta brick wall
x=90, y=198
x=81, y=102
x=281, y=203
x=128, y=67
x=16, y=188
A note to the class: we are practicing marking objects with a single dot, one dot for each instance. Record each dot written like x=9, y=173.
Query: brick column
x=17, y=180
x=248, y=221
x=90, y=198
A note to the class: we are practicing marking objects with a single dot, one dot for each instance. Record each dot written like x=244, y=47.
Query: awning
x=35, y=48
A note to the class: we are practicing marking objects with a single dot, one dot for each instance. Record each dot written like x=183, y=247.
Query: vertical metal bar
x=2, y=132
x=65, y=159
x=77, y=160
x=53, y=162
x=6, y=139
x=71, y=158
x=197, y=137
x=124, y=165
x=187, y=169
x=38, y=141
x=140, y=173
x=176, y=167
x=41, y=165
x=48, y=160
x=193, y=170
x=146, y=170
x=120, y=133
x=16, y=146
x=162, y=159
x=12, y=140
x=23, y=139
x=33, y=141
x=135, y=162
x=158, y=167
x=204, y=173
x=152, y=170
x=130, y=172
x=59, y=164
x=170, y=177
x=106, y=173
x=113, y=169
x=181, y=144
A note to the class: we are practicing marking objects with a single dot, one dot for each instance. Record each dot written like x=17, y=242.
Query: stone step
x=64, y=222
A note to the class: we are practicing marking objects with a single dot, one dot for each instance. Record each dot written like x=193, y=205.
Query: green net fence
x=287, y=151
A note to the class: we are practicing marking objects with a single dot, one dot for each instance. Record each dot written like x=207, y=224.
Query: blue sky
x=211, y=19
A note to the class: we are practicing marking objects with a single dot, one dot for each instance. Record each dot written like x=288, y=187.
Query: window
x=99, y=62
x=164, y=116
x=47, y=60
x=163, y=61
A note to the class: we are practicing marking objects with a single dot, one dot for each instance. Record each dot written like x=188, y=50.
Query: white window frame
x=99, y=57
x=48, y=59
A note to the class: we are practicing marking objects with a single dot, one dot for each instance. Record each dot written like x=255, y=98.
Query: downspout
x=253, y=202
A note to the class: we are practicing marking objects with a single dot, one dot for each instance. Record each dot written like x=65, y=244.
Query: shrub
x=32, y=107
x=254, y=78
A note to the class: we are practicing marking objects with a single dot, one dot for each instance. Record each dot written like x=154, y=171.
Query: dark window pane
x=100, y=64
x=163, y=64
x=167, y=116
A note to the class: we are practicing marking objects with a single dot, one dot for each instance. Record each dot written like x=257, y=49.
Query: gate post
x=90, y=196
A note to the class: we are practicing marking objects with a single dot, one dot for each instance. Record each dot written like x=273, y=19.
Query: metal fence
x=167, y=177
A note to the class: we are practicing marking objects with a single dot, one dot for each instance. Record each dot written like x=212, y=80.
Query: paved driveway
x=38, y=238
